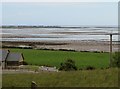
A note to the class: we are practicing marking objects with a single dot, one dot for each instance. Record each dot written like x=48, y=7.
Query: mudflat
x=68, y=45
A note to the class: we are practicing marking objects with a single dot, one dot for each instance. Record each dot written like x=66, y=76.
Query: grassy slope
x=54, y=58
x=84, y=78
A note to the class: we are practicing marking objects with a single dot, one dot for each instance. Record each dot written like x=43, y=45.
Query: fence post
x=110, y=50
x=33, y=85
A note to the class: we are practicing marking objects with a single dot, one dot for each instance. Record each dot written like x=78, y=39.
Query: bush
x=68, y=65
x=48, y=65
x=80, y=69
x=90, y=68
x=116, y=60
x=25, y=63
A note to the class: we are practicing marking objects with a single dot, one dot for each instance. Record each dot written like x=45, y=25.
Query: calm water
x=57, y=34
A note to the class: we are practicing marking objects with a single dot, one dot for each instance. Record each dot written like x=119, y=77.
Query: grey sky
x=91, y=13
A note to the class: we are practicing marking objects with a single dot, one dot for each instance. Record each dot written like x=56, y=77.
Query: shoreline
x=99, y=46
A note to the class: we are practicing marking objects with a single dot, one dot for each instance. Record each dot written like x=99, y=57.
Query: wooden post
x=33, y=85
x=110, y=50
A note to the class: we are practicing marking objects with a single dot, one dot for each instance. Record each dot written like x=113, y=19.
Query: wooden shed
x=11, y=59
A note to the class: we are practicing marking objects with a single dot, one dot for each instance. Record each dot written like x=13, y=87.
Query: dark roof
x=3, y=54
x=14, y=56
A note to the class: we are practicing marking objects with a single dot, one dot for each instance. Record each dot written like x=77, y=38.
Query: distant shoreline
x=45, y=26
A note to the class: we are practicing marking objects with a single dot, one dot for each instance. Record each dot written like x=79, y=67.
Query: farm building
x=10, y=59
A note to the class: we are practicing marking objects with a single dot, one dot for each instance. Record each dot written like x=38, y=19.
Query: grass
x=54, y=58
x=81, y=78
x=30, y=67
x=84, y=78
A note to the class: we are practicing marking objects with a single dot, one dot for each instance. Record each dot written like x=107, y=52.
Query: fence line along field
x=55, y=58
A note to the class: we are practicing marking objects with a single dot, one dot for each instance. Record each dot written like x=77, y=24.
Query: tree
x=116, y=60
x=68, y=65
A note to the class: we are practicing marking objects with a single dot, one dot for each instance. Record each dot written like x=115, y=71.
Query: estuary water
x=58, y=34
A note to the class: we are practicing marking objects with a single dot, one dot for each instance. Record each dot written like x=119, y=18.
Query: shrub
x=116, y=59
x=48, y=65
x=107, y=67
x=80, y=69
x=25, y=63
x=90, y=68
x=68, y=65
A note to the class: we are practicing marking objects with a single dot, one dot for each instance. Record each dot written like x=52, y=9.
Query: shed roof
x=14, y=56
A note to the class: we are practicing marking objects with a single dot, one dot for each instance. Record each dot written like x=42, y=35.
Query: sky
x=64, y=13
x=59, y=0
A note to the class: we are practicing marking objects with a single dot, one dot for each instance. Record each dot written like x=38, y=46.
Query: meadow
x=106, y=77
x=81, y=78
x=55, y=58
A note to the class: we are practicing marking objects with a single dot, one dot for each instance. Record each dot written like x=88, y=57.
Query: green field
x=83, y=78
x=54, y=58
